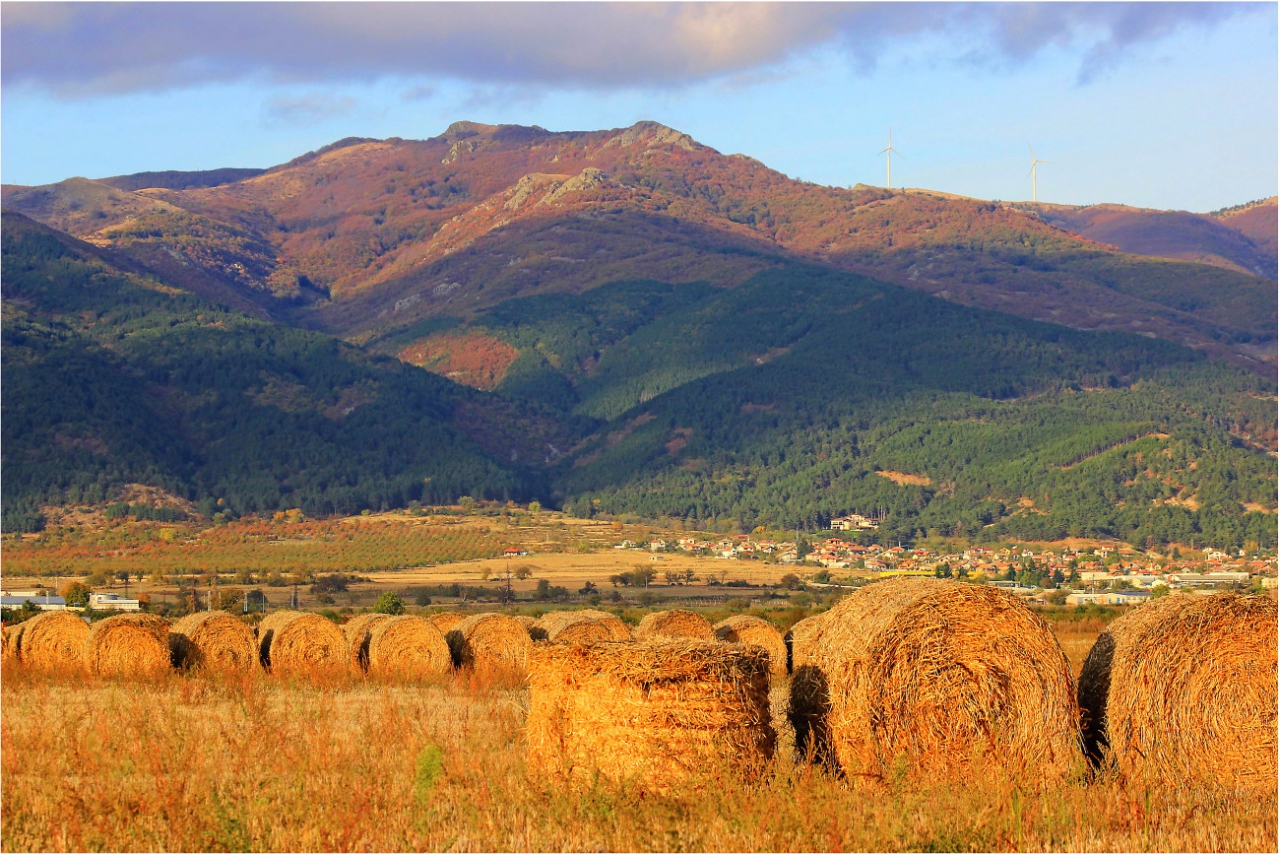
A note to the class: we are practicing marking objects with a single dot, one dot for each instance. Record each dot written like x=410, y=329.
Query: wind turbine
x=888, y=152
x=1034, y=162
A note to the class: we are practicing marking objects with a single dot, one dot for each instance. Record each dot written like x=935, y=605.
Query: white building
x=43, y=601
x=112, y=602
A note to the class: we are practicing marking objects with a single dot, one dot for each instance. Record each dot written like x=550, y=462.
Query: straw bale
x=357, y=631
x=214, y=640
x=743, y=628
x=652, y=712
x=809, y=701
x=129, y=645
x=1182, y=690
x=536, y=632
x=617, y=629
x=12, y=637
x=301, y=642
x=408, y=646
x=674, y=624
x=572, y=627
x=939, y=679
x=491, y=644
x=53, y=641
x=446, y=620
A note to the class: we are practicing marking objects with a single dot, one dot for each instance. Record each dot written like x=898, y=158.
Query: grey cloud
x=85, y=49
x=304, y=110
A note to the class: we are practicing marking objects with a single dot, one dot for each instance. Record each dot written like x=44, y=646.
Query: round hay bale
x=942, y=678
x=491, y=644
x=214, y=640
x=129, y=645
x=357, y=631
x=446, y=620
x=617, y=629
x=572, y=627
x=653, y=713
x=1183, y=690
x=674, y=624
x=12, y=634
x=53, y=641
x=809, y=700
x=742, y=628
x=531, y=626
x=408, y=646
x=302, y=643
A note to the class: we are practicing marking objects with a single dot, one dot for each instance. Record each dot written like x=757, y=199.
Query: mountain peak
x=652, y=134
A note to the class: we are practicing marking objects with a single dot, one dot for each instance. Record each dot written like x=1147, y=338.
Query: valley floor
x=257, y=764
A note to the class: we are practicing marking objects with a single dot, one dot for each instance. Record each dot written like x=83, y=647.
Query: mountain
x=112, y=377
x=627, y=322
x=368, y=237
x=1243, y=240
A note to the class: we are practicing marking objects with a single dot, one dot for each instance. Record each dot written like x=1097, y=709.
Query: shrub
x=389, y=603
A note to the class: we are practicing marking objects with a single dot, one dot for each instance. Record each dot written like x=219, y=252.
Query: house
x=514, y=551
x=1109, y=597
x=43, y=601
x=112, y=602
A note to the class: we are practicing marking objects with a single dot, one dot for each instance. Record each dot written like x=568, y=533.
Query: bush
x=389, y=603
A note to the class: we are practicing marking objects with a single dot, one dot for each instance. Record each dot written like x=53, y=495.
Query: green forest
x=800, y=395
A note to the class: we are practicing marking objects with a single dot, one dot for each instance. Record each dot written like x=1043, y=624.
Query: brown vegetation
x=572, y=627
x=617, y=629
x=408, y=647
x=357, y=631
x=214, y=640
x=129, y=645
x=1183, y=692
x=490, y=644
x=53, y=640
x=293, y=642
x=742, y=628
x=675, y=623
x=653, y=712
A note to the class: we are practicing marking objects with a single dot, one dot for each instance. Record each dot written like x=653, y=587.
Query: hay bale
x=809, y=701
x=12, y=635
x=492, y=644
x=674, y=624
x=128, y=645
x=446, y=620
x=52, y=641
x=1183, y=692
x=408, y=646
x=617, y=629
x=536, y=632
x=297, y=642
x=742, y=628
x=651, y=713
x=214, y=640
x=944, y=679
x=357, y=631
x=572, y=627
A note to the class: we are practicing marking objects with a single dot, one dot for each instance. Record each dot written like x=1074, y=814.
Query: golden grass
x=261, y=764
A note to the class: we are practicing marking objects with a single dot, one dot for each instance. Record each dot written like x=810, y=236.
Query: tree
x=587, y=588
x=523, y=572
x=389, y=603
x=75, y=594
x=790, y=581
x=535, y=507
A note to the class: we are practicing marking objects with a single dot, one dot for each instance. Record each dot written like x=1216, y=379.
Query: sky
x=1169, y=106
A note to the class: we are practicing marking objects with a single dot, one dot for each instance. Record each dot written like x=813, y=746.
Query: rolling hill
x=625, y=322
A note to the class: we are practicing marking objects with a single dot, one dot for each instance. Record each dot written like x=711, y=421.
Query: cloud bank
x=88, y=49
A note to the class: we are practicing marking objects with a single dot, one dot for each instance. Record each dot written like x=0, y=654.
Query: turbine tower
x=1034, y=162
x=888, y=152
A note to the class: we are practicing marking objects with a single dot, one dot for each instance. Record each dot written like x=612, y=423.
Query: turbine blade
x=1031, y=170
x=1032, y=150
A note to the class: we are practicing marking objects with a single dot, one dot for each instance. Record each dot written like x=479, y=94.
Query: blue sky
x=1156, y=105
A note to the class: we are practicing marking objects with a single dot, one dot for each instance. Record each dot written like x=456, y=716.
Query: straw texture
x=491, y=644
x=12, y=634
x=408, y=646
x=652, y=712
x=674, y=624
x=937, y=679
x=742, y=628
x=572, y=627
x=357, y=631
x=1183, y=691
x=446, y=620
x=618, y=630
x=129, y=645
x=297, y=642
x=52, y=641
x=213, y=640
x=810, y=701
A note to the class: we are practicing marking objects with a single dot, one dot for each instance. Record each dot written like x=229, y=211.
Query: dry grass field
x=203, y=763
x=186, y=763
